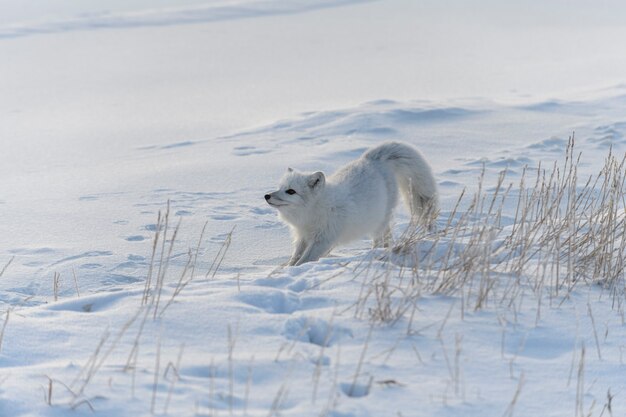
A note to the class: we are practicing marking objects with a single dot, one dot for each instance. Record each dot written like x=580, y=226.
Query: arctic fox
x=356, y=201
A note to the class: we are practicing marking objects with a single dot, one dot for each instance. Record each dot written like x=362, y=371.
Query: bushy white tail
x=415, y=179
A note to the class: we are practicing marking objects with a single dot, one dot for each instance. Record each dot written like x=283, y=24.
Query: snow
x=111, y=110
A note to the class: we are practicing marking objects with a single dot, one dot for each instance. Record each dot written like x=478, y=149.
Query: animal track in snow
x=94, y=197
x=151, y=227
x=553, y=144
x=179, y=144
x=89, y=254
x=120, y=279
x=501, y=162
x=224, y=216
x=449, y=184
x=32, y=251
x=271, y=300
x=88, y=198
x=314, y=330
x=249, y=150
x=609, y=135
x=90, y=266
x=262, y=211
x=355, y=390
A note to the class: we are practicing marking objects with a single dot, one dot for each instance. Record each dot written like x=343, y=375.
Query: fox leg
x=314, y=251
x=297, y=252
x=382, y=239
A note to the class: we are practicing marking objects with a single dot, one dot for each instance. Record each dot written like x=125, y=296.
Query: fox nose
x=267, y=197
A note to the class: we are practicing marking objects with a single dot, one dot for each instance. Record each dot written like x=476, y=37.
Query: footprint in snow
x=553, y=144
x=456, y=171
x=609, y=135
x=449, y=184
x=274, y=282
x=249, y=150
x=269, y=225
x=90, y=266
x=309, y=140
x=224, y=217
x=500, y=163
x=89, y=254
x=262, y=210
x=88, y=198
x=31, y=251
x=120, y=279
x=604, y=142
x=315, y=331
x=271, y=300
x=356, y=390
x=152, y=227
x=179, y=144
x=223, y=213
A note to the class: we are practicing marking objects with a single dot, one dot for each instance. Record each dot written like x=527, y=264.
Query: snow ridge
x=212, y=12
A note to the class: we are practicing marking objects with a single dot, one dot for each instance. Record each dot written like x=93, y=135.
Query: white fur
x=356, y=201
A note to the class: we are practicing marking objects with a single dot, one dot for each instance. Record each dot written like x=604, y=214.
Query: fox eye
x=291, y=191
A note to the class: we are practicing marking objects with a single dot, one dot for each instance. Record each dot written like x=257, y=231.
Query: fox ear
x=289, y=169
x=317, y=180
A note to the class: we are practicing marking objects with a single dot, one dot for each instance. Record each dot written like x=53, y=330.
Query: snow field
x=514, y=306
x=115, y=114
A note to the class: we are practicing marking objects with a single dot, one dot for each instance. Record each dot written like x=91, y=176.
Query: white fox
x=356, y=201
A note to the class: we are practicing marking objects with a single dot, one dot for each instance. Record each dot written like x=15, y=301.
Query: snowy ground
x=108, y=114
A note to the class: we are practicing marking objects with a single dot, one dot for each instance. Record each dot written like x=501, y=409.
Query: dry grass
x=564, y=233
x=4, y=326
x=132, y=332
x=536, y=240
x=561, y=234
x=6, y=266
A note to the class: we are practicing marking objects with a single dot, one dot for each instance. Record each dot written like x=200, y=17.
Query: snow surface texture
x=83, y=184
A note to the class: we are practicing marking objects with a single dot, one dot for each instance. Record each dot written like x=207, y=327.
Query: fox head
x=296, y=193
